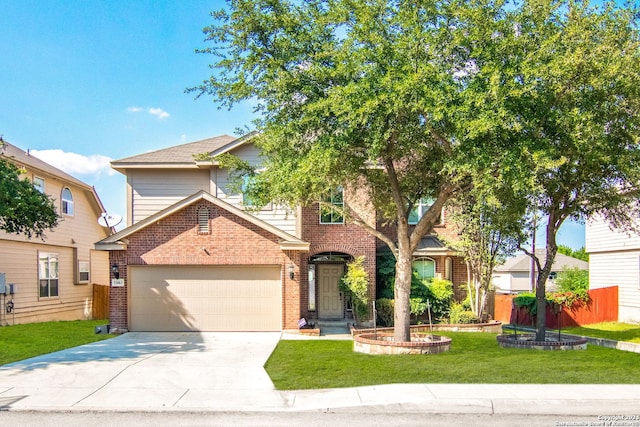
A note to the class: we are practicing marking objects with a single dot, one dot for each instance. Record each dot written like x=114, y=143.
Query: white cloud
x=73, y=163
x=159, y=113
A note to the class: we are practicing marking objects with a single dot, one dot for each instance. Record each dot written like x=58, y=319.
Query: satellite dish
x=109, y=220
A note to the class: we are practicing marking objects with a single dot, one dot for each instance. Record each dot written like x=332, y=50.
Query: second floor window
x=38, y=183
x=419, y=210
x=67, y=202
x=246, y=183
x=332, y=208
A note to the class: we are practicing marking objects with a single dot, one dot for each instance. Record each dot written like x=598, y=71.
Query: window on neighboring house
x=67, y=202
x=425, y=267
x=38, y=183
x=420, y=209
x=48, y=265
x=203, y=221
x=83, y=272
x=331, y=210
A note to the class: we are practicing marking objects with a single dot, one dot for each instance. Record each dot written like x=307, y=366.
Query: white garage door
x=174, y=298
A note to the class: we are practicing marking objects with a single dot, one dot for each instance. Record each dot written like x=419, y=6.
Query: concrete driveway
x=148, y=370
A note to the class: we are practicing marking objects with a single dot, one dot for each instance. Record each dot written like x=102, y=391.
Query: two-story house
x=52, y=276
x=196, y=256
x=614, y=260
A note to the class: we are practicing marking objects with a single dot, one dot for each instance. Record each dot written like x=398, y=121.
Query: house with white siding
x=614, y=260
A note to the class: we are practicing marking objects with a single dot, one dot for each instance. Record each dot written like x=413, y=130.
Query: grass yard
x=609, y=330
x=21, y=342
x=473, y=358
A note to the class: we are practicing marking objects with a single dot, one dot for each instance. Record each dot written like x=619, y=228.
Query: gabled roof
x=181, y=156
x=523, y=262
x=22, y=158
x=117, y=241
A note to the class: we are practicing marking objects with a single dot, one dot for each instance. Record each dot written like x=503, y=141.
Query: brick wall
x=176, y=240
x=346, y=238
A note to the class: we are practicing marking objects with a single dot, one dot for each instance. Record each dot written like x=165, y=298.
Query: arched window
x=448, y=268
x=67, y=202
x=425, y=267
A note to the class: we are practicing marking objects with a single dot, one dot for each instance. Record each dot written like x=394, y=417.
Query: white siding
x=620, y=269
x=278, y=216
x=154, y=190
x=599, y=237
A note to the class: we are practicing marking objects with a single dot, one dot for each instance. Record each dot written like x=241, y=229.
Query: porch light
x=291, y=271
x=116, y=271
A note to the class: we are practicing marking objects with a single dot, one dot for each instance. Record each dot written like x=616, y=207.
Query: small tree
x=355, y=283
x=488, y=232
x=23, y=208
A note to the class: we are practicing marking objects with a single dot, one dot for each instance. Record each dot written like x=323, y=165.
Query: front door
x=331, y=304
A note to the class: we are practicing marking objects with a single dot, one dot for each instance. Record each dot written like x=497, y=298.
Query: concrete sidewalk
x=224, y=372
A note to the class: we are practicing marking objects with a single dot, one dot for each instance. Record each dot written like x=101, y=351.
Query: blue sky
x=87, y=82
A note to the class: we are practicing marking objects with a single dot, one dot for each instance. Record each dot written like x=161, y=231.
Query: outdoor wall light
x=116, y=271
x=291, y=271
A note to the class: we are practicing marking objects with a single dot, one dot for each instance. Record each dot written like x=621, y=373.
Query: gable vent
x=203, y=220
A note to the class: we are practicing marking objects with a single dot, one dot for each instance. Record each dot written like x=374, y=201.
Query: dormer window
x=67, y=202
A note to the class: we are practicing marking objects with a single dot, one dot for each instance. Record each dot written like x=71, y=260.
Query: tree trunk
x=552, y=248
x=402, y=291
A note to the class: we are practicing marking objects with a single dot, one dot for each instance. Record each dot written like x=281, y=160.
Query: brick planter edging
x=528, y=341
x=490, y=327
x=382, y=343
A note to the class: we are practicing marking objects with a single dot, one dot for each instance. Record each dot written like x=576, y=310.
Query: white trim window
x=38, y=183
x=425, y=268
x=48, y=270
x=67, y=202
x=84, y=272
x=332, y=208
x=419, y=210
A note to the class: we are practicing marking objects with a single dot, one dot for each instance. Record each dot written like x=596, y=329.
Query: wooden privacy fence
x=100, y=301
x=602, y=307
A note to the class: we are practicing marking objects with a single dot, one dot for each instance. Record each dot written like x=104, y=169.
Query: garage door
x=238, y=298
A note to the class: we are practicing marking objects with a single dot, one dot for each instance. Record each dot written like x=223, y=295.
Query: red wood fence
x=602, y=307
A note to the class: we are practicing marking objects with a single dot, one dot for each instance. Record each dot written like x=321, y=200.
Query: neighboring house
x=614, y=260
x=196, y=256
x=515, y=274
x=53, y=275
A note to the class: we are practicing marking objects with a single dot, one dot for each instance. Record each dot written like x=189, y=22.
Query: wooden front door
x=331, y=304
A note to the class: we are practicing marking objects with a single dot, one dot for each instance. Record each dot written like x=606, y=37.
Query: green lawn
x=21, y=342
x=610, y=330
x=473, y=358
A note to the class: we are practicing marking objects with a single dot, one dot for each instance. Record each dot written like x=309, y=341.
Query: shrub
x=575, y=281
x=440, y=298
x=417, y=306
x=459, y=315
x=355, y=283
x=384, y=308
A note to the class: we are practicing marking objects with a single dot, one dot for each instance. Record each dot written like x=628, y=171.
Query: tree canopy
x=23, y=208
x=409, y=101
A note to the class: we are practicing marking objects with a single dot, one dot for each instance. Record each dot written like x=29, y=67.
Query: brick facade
x=346, y=238
x=176, y=240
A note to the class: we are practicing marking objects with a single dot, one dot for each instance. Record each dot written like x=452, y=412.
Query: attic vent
x=203, y=220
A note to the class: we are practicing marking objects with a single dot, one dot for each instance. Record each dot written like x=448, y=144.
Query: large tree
x=23, y=208
x=369, y=94
x=574, y=86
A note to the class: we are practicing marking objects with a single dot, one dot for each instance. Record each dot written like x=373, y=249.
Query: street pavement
x=224, y=372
